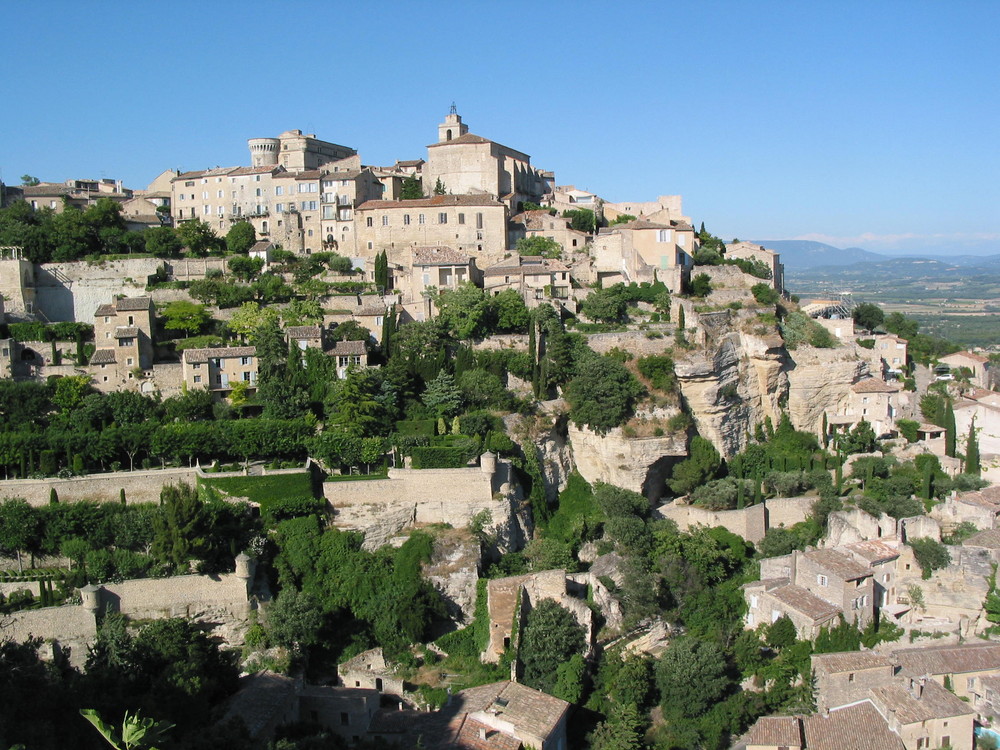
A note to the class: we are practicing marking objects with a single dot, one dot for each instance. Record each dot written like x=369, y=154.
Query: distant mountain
x=803, y=254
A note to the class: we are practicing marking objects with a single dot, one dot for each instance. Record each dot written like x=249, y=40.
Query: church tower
x=452, y=127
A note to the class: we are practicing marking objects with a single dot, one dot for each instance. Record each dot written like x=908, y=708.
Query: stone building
x=369, y=670
x=881, y=556
x=17, y=282
x=342, y=192
x=925, y=715
x=349, y=354
x=295, y=151
x=977, y=364
x=218, y=369
x=304, y=337
x=468, y=164
x=536, y=279
x=472, y=224
x=123, y=337
x=845, y=677
x=541, y=223
x=771, y=259
x=856, y=727
x=642, y=250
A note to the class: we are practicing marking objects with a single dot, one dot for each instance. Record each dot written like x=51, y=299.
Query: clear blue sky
x=858, y=123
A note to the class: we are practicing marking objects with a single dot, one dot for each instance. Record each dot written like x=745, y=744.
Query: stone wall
x=749, y=523
x=788, y=511
x=73, y=627
x=74, y=291
x=381, y=508
x=636, y=342
x=849, y=526
x=139, y=486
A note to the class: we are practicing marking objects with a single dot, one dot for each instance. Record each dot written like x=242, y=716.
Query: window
x=850, y=677
x=204, y=195
x=197, y=378
x=385, y=221
x=479, y=221
x=221, y=194
x=344, y=719
x=130, y=361
x=442, y=218
x=479, y=235
x=245, y=360
x=461, y=218
x=420, y=219
x=246, y=377
x=258, y=193
x=189, y=183
x=369, y=221
x=369, y=245
x=279, y=207
x=822, y=580
x=663, y=235
x=196, y=365
x=406, y=220
x=279, y=190
x=206, y=209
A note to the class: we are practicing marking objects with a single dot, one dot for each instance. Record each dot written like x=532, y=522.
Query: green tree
x=510, y=312
x=868, y=316
x=439, y=188
x=136, y=733
x=20, y=528
x=442, y=396
x=622, y=730
x=691, y=677
x=70, y=392
x=411, y=189
x=602, y=394
x=551, y=637
x=972, y=462
x=188, y=317
x=241, y=237
x=163, y=242
x=466, y=311
x=249, y=317
x=29, y=180
x=765, y=294
x=179, y=533
x=382, y=271
x=545, y=247
x=244, y=267
x=701, y=285
x=700, y=466
x=294, y=619
x=781, y=633
x=951, y=431
x=931, y=555
x=197, y=236
x=582, y=219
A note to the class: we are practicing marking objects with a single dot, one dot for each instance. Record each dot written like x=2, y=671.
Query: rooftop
x=874, y=550
x=103, y=357
x=928, y=700
x=838, y=563
x=857, y=727
x=435, y=201
x=262, y=697
x=936, y=660
x=348, y=347
x=990, y=539
x=304, y=332
x=965, y=355
x=126, y=332
x=128, y=304
x=203, y=355
x=529, y=710
x=874, y=385
x=802, y=601
x=849, y=661
x=784, y=731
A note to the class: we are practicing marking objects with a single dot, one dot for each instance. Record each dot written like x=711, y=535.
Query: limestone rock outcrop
x=547, y=434
x=821, y=379
x=453, y=570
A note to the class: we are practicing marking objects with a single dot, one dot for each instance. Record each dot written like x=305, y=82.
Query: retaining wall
x=139, y=486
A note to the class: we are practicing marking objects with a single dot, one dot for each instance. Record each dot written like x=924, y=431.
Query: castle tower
x=452, y=127
x=264, y=151
x=90, y=598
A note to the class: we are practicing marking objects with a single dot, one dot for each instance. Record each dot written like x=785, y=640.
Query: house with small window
x=219, y=369
x=305, y=337
x=976, y=364
x=536, y=279
x=540, y=223
x=123, y=340
x=642, y=250
x=349, y=354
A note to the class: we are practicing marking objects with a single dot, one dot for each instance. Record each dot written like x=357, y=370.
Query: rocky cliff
x=821, y=379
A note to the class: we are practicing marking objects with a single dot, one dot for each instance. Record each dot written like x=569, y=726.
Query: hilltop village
x=311, y=453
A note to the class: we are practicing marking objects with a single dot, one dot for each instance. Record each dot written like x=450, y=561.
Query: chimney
x=483, y=734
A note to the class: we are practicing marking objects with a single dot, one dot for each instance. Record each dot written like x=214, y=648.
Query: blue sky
x=856, y=123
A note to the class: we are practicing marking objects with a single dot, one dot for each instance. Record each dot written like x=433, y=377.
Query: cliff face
x=637, y=464
x=731, y=389
x=821, y=379
x=548, y=436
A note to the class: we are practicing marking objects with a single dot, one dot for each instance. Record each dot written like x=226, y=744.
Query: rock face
x=453, y=570
x=821, y=379
x=548, y=436
x=637, y=464
x=731, y=389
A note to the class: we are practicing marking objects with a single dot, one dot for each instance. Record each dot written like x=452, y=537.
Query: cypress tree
x=680, y=318
x=972, y=465
x=949, y=436
x=826, y=427
x=927, y=482
x=53, y=496
x=740, y=499
x=121, y=496
x=758, y=491
x=839, y=475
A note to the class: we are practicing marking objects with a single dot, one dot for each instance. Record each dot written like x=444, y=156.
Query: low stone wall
x=788, y=511
x=74, y=291
x=73, y=627
x=637, y=342
x=9, y=587
x=383, y=507
x=139, y=486
x=749, y=523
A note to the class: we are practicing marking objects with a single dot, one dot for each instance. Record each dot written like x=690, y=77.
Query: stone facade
x=139, y=486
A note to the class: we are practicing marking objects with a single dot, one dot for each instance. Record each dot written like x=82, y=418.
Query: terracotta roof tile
x=126, y=332
x=874, y=385
x=345, y=348
x=858, y=727
x=103, y=357
x=802, y=601
x=934, y=702
x=225, y=352
x=849, y=661
x=874, y=550
x=128, y=304
x=304, y=332
x=783, y=731
x=439, y=256
x=937, y=660
x=838, y=563
x=990, y=539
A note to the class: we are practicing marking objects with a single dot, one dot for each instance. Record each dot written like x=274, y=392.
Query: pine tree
x=439, y=187
x=949, y=436
x=972, y=465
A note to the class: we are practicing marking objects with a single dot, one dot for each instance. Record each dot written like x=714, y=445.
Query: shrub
x=765, y=294
x=659, y=371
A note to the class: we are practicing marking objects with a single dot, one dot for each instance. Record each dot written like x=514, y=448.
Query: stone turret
x=488, y=463
x=264, y=151
x=90, y=596
x=244, y=566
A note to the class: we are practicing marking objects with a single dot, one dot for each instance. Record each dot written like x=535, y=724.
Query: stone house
x=475, y=225
x=516, y=595
x=663, y=209
x=893, y=352
x=123, y=337
x=342, y=191
x=986, y=417
x=813, y=589
x=541, y=223
x=880, y=555
x=874, y=401
x=980, y=508
x=304, y=337
x=987, y=697
x=844, y=678
x=468, y=164
x=988, y=540
x=218, y=369
x=369, y=670
x=771, y=259
x=642, y=250
x=349, y=354
x=962, y=665
x=856, y=727
x=925, y=715
x=976, y=363
x=536, y=279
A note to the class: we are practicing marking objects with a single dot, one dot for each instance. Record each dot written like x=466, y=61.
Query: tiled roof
x=527, y=266
x=435, y=201
x=783, y=731
x=261, y=246
x=849, y=661
x=45, y=190
x=439, y=256
x=304, y=332
x=977, y=393
x=858, y=727
x=372, y=309
x=874, y=550
x=966, y=355
x=469, y=737
x=801, y=601
x=529, y=710
x=937, y=660
x=103, y=357
x=934, y=702
x=990, y=539
x=105, y=310
x=639, y=224
x=126, y=332
x=262, y=698
x=345, y=348
x=985, y=498
x=203, y=355
x=129, y=304
x=409, y=162
x=240, y=171
x=467, y=138
x=838, y=563
x=216, y=172
x=873, y=385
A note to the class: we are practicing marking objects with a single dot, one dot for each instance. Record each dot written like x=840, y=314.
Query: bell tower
x=452, y=127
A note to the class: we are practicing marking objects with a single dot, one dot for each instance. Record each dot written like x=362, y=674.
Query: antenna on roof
x=454, y=109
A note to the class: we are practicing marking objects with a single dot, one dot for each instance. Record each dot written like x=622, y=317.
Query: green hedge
x=435, y=457
x=425, y=427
